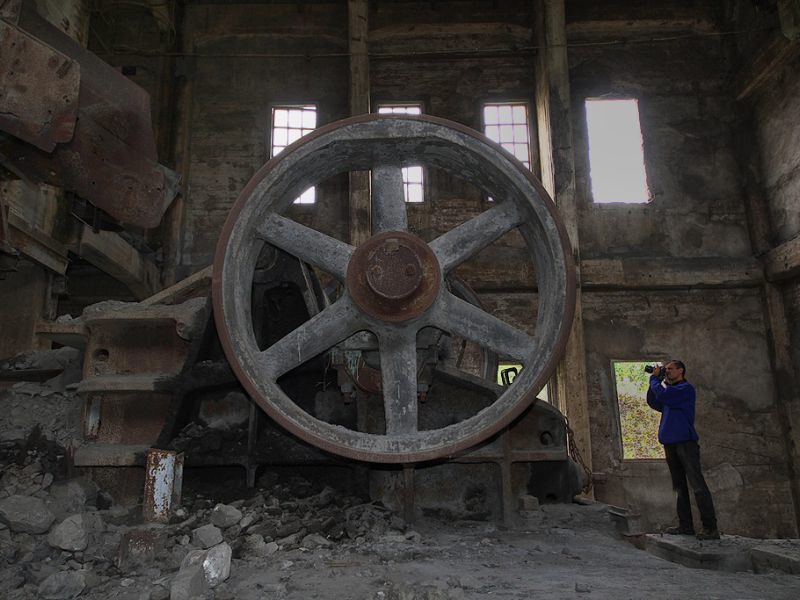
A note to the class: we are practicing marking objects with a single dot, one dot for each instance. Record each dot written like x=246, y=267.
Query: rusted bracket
x=77, y=123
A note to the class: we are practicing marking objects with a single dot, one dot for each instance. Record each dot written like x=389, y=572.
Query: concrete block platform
x=731, y=553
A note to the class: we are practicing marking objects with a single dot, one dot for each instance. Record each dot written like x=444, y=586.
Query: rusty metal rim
x=328, y=438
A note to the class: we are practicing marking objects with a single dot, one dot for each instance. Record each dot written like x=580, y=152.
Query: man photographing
x=674, y=397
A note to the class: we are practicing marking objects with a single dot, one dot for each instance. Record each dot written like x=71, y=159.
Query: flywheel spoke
x=464, y=241
x=323, y=331
x=309, y=245
x=461, y=318
x=399, y=380
x=388, y=200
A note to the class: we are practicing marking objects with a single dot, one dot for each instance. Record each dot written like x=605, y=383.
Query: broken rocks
x=72, y=534
x=224, y=515
x=26, y=514
x=63, y=585
x=206, y=536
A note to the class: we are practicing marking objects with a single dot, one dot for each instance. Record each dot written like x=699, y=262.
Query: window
x=616, y=157
x=507, y=124
x=289, y=124
x=413, y=184
x=638, y=422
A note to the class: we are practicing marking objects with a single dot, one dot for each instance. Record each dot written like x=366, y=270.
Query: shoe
x=679, y=531
x=708, y=534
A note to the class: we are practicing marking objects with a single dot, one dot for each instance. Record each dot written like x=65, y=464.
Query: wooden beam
x=37, y=245
x=360, y=212
x=632, y=28
x=668, y=273
x=558, y=162
x=769, y=61
x=194, y=286
x=783, y=262
x=112, y=254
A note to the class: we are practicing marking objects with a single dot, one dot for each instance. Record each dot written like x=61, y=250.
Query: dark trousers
x=683, y=460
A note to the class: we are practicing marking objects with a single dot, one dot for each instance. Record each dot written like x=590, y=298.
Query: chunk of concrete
x=206, y=536
x=63, y=585
x=217, y=564
x=71, y=534
x=26, y=514
x=224, y=515
x=189, y=583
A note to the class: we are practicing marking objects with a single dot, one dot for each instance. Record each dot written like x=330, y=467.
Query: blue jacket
x=676, y=405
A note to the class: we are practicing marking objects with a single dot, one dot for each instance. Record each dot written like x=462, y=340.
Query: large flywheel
x=394, y=283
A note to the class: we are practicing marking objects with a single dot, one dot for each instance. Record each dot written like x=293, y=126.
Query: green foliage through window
x=638, y=422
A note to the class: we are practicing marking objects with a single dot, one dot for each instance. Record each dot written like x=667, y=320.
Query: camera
x=651, y=368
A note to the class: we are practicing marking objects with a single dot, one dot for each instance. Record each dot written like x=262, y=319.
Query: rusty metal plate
x=111, y=159
x=38, y=90
x=9, y=10
x=394, y=276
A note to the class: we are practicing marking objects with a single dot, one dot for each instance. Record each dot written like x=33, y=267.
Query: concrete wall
x=688, y=119
x=715, y=332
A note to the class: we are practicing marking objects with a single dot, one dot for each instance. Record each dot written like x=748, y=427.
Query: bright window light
x=616, y=157
x=289, y=124
x=507, y=124
x=413, y=184
x=638, y=422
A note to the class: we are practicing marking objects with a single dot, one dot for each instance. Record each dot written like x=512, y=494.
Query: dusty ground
x=571, y=554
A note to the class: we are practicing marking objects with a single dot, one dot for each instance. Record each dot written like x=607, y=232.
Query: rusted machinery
x=366, y=374
x=70, y=120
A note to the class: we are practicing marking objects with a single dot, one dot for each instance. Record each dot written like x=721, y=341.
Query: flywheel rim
x=270, y=192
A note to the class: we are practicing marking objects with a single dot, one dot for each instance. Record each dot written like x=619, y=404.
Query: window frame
x=529, y=123
x=424, y=182
x=617, y=425
x=271, y=138
x=589, y=189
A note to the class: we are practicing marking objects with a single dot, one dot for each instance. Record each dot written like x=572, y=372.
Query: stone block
x=223, y=516
x=26, y=514
x=206, y=536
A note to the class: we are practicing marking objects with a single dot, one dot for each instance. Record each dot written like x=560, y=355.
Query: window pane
x=616, y=157
x=413, y=174
x=521, y=152
x=414, y=193
x=309, y=119
x=281, y=118
x=507, y=124
x=280, y=137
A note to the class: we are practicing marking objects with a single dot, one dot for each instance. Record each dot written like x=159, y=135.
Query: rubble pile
x=65, y=538
x=43, y=395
